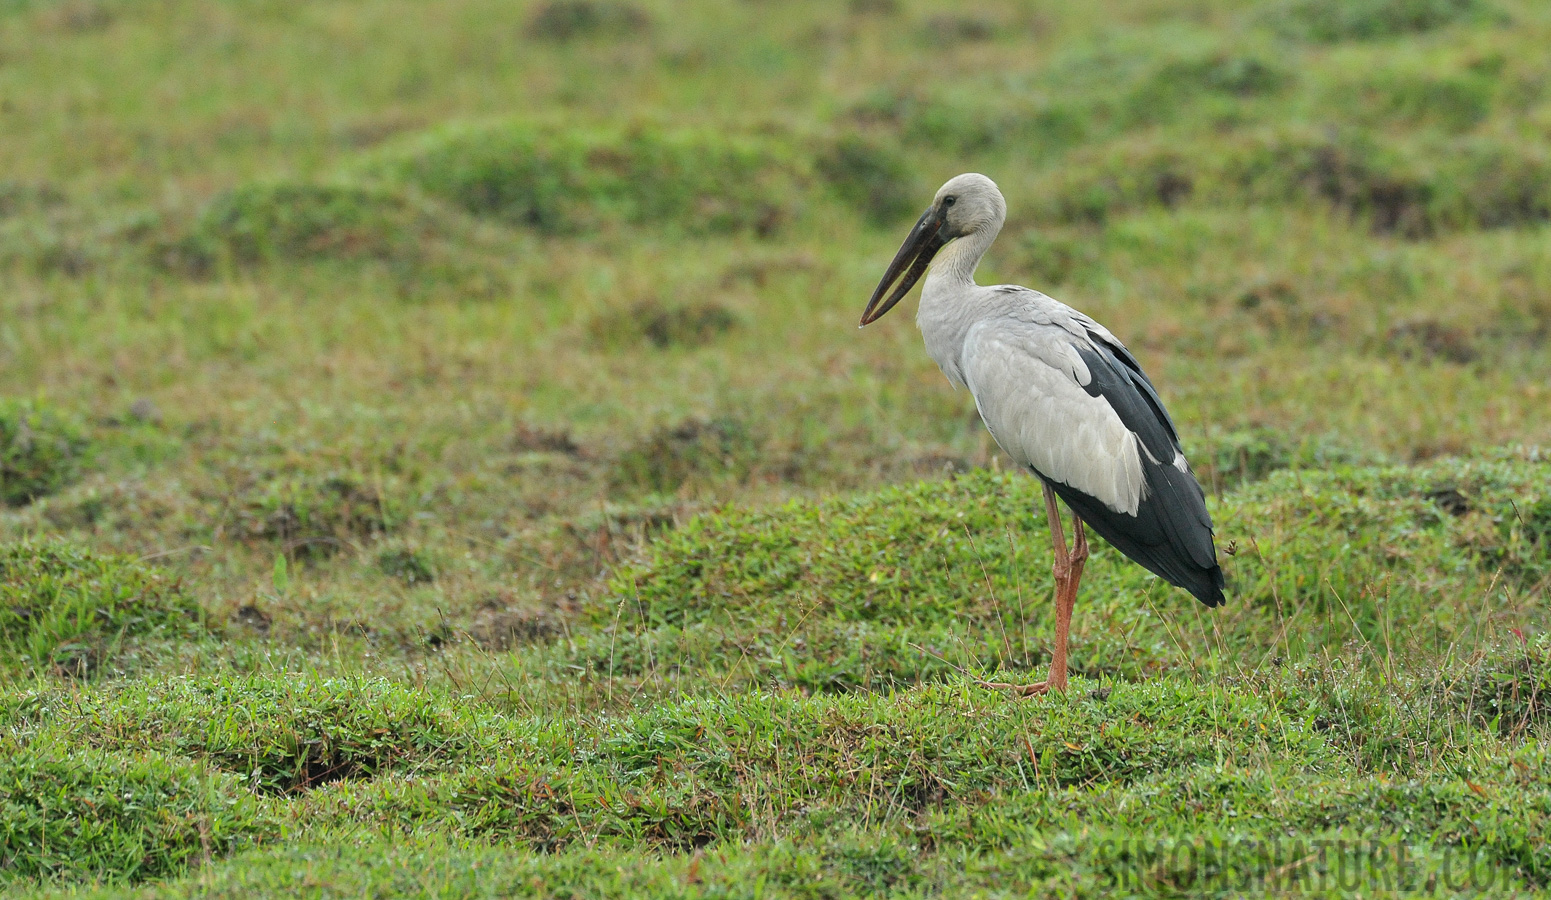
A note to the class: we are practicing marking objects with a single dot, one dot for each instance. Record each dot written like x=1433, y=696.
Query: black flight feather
x=1171, y=533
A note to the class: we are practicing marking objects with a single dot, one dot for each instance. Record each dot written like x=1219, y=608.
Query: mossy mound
x=73, y=813
x=1089, y=94
x=425, y=248
x=1419, y=138
x=316, y=516
x=409, y=564
x=859, y=859
x=693, y=450
x=1415, y=189
x=708, y=770
x=662, y=325
x=41, y=451
x=872, y=176
x=951, y=786
x=282, y=734
x=914, y=582
x=566, y=20
x=1366, y=20
x=64, y=608
x=574, y=180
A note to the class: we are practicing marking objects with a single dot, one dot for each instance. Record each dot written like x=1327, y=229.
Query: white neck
x=949, y=300
x=955, y=264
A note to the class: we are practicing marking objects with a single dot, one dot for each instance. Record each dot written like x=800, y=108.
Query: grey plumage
x=1058, y=391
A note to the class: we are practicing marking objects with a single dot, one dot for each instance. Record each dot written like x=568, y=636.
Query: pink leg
x=1068, y=572
x=1066, y=599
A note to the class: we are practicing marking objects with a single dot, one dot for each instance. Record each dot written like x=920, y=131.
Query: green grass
x=946, y=786
x=930, y=579
x=75, y=814
x=40, y=451
x=68, y=611
x=565, y=181
x=422, y=247
x=437, y=457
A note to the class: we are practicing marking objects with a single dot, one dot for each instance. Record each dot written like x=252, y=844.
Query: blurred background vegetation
x=473, y=280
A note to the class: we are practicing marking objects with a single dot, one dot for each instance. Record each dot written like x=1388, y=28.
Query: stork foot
x=1022, y=690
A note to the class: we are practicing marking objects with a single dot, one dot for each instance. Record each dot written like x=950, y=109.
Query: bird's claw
x=1022, y=690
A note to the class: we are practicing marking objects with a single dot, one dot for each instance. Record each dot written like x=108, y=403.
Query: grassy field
x=437, y=457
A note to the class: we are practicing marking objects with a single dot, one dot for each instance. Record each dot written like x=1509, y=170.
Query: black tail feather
x=1170, y=536
x=1171, y=533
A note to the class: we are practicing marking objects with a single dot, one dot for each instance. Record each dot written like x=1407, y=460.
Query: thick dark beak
x=915, y=255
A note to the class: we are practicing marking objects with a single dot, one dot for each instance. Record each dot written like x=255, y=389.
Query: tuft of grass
x=670, y=456
x=1520, y=543
x=78, y=814
x=281, y=733
x=1244, y=455
x=1221, y=72
x=17, y=197
x=664, y=325
x=1536, y=522
x=870, y=176
x=408, y=564
x=565, y=20
x=1433, y=339
x=1507, y=689
x=64, y=608
x=948, y=30
x=1058, y=255
x=41, y=450
x=574, y=180
x=318, y=516
x=1454, y=102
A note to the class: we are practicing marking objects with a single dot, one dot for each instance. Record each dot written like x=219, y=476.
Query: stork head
x=967, y=204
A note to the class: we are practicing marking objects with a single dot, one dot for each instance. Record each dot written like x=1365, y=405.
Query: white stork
x=1063, y=397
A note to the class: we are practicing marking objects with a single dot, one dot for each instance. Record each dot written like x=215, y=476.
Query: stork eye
x=949, y=201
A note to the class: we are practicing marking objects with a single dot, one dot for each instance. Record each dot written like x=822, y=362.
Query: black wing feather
x=1171, y=533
